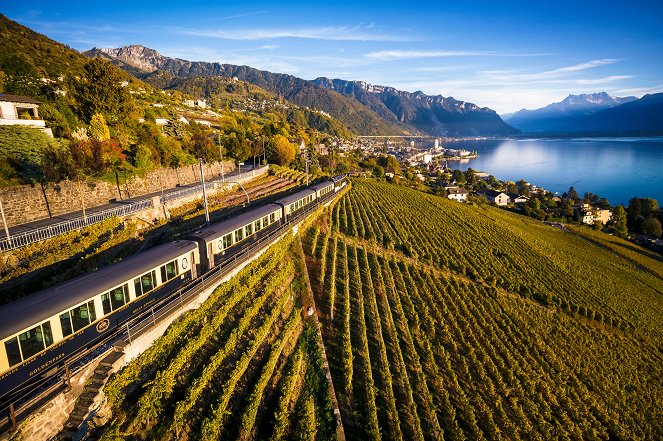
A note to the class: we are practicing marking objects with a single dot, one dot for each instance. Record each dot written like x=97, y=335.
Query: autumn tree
x=284, y=150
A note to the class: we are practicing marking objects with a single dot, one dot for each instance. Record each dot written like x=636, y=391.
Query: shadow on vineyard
x=445, y=320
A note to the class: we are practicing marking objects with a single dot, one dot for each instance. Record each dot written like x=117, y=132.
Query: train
x=41, y=333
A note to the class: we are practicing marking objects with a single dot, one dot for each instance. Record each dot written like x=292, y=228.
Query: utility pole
x=264, y=153
x=306, y=160
x=223, y=179
x=202, y=180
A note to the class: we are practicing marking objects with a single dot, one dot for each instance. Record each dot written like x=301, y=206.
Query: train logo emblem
x=103, y=325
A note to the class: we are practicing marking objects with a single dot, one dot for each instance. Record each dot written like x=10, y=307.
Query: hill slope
x=434, y=115
x=559, y=116
x=483, y=324
x=300, y=92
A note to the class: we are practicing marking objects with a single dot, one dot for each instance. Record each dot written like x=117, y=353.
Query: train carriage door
x=210, y=255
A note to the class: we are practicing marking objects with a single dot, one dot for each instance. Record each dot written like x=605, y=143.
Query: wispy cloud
x=604, y=80
x=587, y=65
x=410, y=54
x=639, y=91
x=336, y=33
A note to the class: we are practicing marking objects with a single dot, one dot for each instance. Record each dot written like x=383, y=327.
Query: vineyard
x=448, y=321
x=245, y=365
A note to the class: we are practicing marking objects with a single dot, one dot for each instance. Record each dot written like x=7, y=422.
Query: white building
x=17, y=110
x=457, y=194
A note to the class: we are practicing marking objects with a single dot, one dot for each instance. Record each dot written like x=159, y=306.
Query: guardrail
x=43, y=233
x=47, y=232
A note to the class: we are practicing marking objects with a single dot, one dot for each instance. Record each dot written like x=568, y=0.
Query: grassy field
x=449, y=321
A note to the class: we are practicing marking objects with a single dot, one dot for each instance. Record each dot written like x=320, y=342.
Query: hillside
x=447, y=320
x=489, y=325
x=434, y=115
x=558, y=117
x=245, y=365
x=296, y=90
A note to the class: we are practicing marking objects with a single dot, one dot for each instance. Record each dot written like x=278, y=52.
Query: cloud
x=609, y=79
x=640, y=91
x=409, y=54
x=587, y=65
x=335, y=33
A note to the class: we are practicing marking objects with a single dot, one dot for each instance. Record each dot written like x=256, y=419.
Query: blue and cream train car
x=323, y=190
x=296, y=202
x=219, y=241
x=339, y=182
x=42, y=331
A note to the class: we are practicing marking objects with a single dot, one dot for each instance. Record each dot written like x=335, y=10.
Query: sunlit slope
x=245, y=365
x=447, y=320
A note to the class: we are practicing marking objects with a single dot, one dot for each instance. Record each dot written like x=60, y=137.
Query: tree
x=99, y=90
x=651, y=226
x=572, y=193
x=619, y=221
x=99, y=128
x=284, y=150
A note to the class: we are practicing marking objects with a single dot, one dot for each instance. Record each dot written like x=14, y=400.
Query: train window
x=92, y=310
x=168, y=271
x=80, y=316
x=48, y=335
x=106, y=304
x=238, y=235
x=227, y=241
x=13, y=353
x=256, y=225
x=271, y=218
x=248, y=230
x=32, y=342
x=117, y=298
x=65, y=323
x=147, y=281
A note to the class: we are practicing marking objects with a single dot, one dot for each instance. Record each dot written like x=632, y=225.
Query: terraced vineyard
x=448, y=321
x=245, y=365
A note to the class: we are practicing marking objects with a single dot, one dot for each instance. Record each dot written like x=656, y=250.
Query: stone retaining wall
x=26, y=203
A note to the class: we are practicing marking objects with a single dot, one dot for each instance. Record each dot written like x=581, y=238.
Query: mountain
x=434, y=115
x=148, y=64
x=559, y=117
x=640, y=116
x=364, y=108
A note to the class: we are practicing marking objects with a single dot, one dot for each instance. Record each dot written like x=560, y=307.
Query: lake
x=615, y=168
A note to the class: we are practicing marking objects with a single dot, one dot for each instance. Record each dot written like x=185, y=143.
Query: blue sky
x=503, y=55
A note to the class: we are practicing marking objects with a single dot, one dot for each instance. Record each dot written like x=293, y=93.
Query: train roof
x=217, y=230
x=36, y=307
x=295, y=196
x=338, y=178
x=321, y=185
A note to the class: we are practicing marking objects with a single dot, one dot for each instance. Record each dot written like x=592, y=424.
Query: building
x=602, y=215
x=17, y=110
x=497, y=197
x=518, y=199
x=457, y=194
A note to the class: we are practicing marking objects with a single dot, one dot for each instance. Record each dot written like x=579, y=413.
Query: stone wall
x=26, y=203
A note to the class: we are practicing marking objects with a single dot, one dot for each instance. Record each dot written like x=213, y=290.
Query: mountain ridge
x=557, y=116
x=366, y=109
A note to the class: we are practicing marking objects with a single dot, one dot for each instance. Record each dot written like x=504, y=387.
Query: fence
x=49, y=231
x=43, y=233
